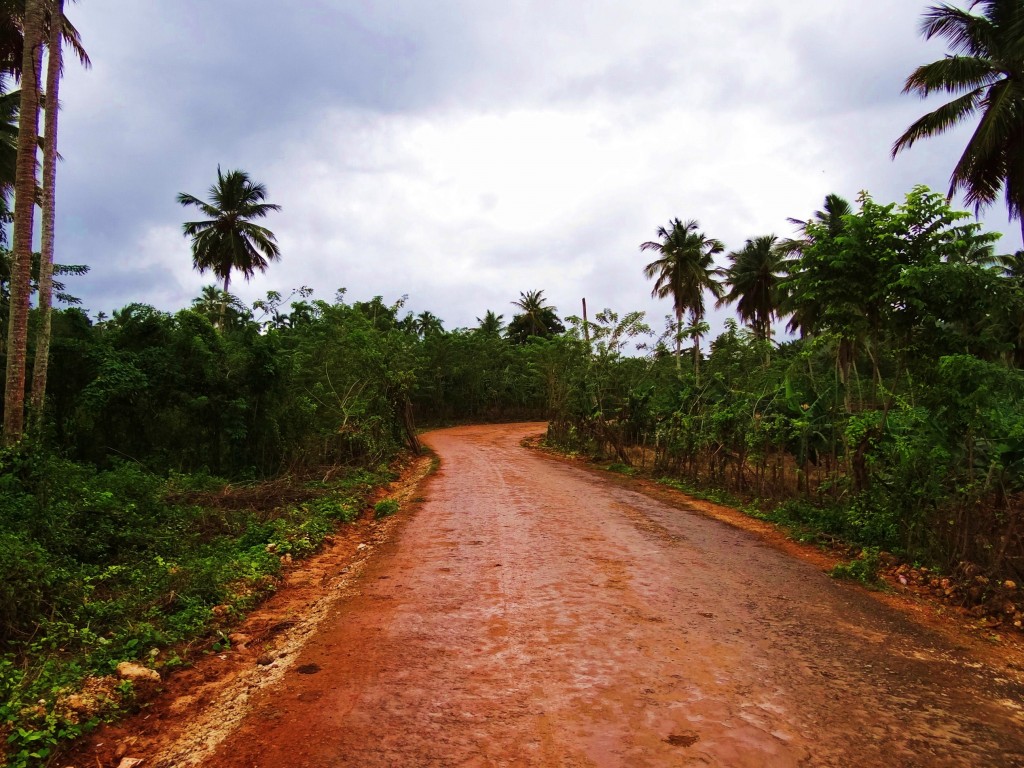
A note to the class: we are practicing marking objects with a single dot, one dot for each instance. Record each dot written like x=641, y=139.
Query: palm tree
x=537, y=318
x=830, y=221
x=9, y=103
x=491, y=324
x=427, y=324
x=56, y=35
x=753, y=277
x=12, y=39
x=684, y=272
x=987, y=70
x=229, y=240
x=24, y=214
x=533, y=305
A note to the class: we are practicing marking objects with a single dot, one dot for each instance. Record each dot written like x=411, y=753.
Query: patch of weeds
x=385, y=508
x=714, y=495
x=622, y=469
x=864, y=569
x=99, y=567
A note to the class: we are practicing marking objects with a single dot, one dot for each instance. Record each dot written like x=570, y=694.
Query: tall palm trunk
x=224, y=301
x=24, y=211
x=42, y=361
x=696, y=357
x=679, y=342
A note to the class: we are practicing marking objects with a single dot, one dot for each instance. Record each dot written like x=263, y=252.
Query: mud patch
x=685, y=739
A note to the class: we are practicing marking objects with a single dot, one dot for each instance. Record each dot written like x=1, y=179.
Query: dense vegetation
x=114, y=537
x=167, y=464
x=895, y=421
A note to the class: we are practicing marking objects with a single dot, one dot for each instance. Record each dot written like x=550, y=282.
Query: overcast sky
x=462, y=151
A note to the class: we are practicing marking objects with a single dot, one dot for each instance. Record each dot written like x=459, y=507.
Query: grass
x=97, y=568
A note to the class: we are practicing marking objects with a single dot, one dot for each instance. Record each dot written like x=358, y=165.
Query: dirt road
x=531, y=613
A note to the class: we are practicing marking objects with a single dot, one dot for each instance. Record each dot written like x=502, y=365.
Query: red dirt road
x=532, y=613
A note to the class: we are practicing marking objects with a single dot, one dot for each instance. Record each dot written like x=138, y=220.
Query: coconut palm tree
x=537, y=318
x=986, y=70
x=753, y=277
x=427, y=324
x=9, y=103
x=56, y=31
x=229, y=240
x=684, y=271
x=24, y=214
x=12, y=41
x=491, y=324
x=830, y=220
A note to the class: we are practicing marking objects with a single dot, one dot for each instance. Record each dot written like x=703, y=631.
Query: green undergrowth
x=828, y=525
x=864, y=569
x=100, y=567
x=385, y=508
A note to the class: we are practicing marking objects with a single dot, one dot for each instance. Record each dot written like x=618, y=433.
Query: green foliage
x=895, y=421
x=101, y=566
x=385, y=508
x=863, y=569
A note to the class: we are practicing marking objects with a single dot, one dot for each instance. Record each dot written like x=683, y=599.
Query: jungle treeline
x=888, y=415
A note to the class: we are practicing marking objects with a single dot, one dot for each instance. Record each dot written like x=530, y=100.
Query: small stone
x=1009, y=585
x=239, y=639
x=128, y=670
x=286, y=558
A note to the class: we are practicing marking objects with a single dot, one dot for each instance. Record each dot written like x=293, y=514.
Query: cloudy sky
x=462, y=151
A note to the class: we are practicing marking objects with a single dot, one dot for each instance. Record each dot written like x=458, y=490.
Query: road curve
x=532, y=613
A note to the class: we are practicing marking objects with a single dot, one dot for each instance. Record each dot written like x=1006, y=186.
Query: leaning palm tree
x=684, y=271
x=229, y=240
x=987, y=71
x=753, y=277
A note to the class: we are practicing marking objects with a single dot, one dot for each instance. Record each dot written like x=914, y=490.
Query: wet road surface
x=532, y=613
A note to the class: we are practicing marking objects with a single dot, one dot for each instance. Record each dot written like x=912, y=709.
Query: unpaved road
x=531, y=613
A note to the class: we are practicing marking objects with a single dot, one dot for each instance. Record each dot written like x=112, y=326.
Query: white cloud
x=463, y=151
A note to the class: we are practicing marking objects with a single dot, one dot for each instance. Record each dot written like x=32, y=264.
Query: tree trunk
x=24, y=212
x=696, y=358
x=679, y=342
x=586, y=328
x=224, y=301
x=42, y=361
